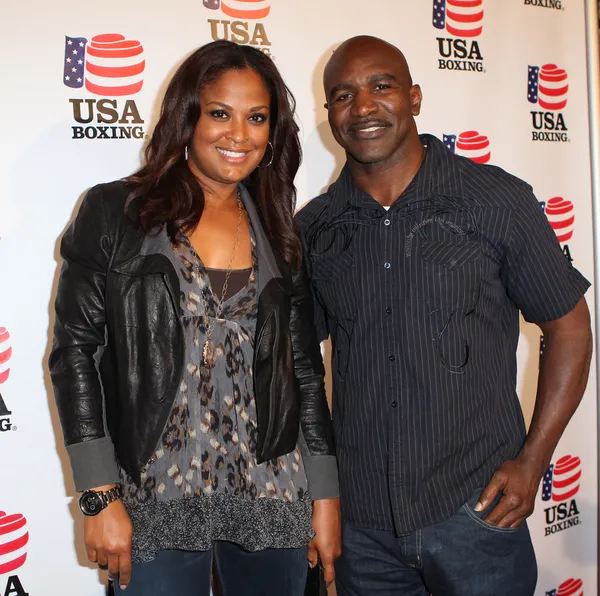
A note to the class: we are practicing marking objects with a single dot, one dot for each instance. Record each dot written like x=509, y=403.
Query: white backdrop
x=502, y=72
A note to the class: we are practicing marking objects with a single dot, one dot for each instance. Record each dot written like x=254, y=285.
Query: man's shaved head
x=361, y=45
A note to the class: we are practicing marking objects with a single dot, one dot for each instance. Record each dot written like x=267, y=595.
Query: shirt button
x=387, y=265
x=391, y=358
x=387, y=222
x=388, y=311
x=394, y=404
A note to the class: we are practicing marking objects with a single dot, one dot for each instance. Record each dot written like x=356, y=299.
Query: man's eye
x=343, y=97
x=382, y=86
x=219, y=114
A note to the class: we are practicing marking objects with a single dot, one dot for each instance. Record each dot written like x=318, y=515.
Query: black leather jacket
x=117, y=312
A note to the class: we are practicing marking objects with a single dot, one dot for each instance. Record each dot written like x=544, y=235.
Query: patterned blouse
x=203, y=482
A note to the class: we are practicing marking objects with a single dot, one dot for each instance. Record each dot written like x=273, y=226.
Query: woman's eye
x=219, y=114
x=258, y=118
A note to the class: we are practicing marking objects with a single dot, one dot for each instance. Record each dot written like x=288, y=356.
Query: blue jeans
x=462, y=556
x=239, y=572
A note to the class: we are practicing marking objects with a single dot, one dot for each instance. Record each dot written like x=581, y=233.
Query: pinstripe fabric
x=422, y=305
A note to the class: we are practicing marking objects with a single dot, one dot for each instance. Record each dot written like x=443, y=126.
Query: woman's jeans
x=277, y=571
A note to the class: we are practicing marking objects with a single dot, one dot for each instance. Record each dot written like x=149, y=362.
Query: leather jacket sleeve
x=316, y=434
x=79, y=337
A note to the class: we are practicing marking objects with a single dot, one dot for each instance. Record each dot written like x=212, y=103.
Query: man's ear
x=416, y=97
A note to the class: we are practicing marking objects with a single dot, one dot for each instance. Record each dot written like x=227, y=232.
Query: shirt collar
x=439, y=174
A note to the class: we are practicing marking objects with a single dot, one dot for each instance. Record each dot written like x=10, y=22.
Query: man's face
x=371, y=103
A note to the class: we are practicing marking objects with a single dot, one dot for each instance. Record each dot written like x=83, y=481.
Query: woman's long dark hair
x=166, y=192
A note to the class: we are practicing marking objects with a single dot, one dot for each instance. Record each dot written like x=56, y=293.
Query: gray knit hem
x=194, y=523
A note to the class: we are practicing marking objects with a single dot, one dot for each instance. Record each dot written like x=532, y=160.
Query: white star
x=68, y=59
x=70, y=42
x=67, y=78
x=79, y=61
x=73, y=69
x=79, y=80
x=74, y=51
x=80, y=44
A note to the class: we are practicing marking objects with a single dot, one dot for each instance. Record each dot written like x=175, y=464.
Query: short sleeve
x=538, y=277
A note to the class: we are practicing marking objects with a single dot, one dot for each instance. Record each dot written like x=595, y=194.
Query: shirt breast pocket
x=451, y=274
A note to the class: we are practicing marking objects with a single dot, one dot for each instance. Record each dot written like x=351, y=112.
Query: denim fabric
x=462, y=556
x=280, y=571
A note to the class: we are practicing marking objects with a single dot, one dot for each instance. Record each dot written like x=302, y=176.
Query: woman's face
x=231, y=136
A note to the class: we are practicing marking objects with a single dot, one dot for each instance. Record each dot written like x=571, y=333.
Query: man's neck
x=387, y=180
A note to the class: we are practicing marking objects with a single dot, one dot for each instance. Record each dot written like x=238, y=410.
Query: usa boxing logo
x=110, y=67
x=241, y=24
x=560, y=485
x=463, y=20
x=571, y=587
x=5, y=356
x=547, y=87
x=470, y=144
x=14, y=537
x=561, y=215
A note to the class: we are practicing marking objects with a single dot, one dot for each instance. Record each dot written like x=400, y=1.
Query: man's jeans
x=277, y=571
x=462, y=556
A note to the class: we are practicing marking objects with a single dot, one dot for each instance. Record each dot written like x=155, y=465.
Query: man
x=420, y=262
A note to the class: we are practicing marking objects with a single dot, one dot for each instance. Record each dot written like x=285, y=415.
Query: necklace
x=208, y=348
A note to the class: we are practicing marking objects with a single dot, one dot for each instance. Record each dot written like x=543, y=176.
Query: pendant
x=207, y=354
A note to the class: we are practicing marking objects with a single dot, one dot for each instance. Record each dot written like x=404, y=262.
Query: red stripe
x=4, y=376
x=463, y=33
x=12, y=565
x=245, y=14
x=13, y=545
x=559, y=209
x=565, y=496
x=465, y=3
x=113, y=91
x=12, y=524
x=553, y=92
x=566, y=464
x=564, y=482
x=5, y=356
x=116, y=53
x=555, y=77
x=547, y=105
x=125, y=43
x=564, y=237
x=483, y=159
x=116, y=71
x=465, y=18
x=473, y=145
x=4, y=334
x=570, y=587
x=107, y=38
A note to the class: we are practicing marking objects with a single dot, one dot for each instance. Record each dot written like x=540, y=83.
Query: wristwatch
x=92, y=502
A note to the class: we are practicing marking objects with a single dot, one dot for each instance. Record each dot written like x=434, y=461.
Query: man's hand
x=327, y=544
x=518, y=480
x=108, y=538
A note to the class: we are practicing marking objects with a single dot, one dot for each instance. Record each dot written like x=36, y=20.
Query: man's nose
x=364, y=104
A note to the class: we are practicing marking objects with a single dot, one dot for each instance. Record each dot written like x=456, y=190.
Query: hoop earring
x=185, y=153
x=272, y=155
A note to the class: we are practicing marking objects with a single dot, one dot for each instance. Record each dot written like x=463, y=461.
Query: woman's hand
x=327, y=544
x=108, y=538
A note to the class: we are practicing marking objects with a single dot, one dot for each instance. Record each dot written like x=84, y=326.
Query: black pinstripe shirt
x=422, y=305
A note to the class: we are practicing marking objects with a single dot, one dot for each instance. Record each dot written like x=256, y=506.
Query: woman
x=206, y=434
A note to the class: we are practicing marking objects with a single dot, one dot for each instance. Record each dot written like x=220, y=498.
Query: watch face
x=90, y=503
